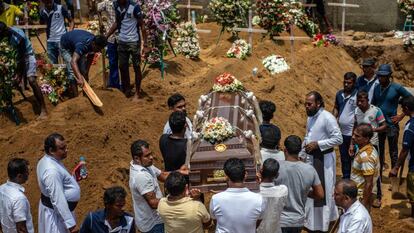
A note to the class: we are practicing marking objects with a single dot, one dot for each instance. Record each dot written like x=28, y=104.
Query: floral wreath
x=239, y=49
x=275, y=64
x=8, y=67
x=226, y=82
x=230, y=13
x=187, y=40
x=217, y=130
x=406, y=6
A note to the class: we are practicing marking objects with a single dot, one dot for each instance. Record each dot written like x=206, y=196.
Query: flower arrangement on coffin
x=239, y=49
x=320, y=40
x=8, y=66
x=406, y=6
x=277, y=15
x=226, y=82
x=230, y=13
x=53, y=82
x=93, y=27
x=32, y=10
x=275, y=64
x=187, y=40
x=217, y=130
x=160, y=19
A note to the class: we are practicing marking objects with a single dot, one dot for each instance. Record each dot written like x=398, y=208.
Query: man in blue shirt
x=386, y=97
x=130, y=24
x=78, y=49
x=344, y=111
x=407, y=105
x=368, y=80
x=112, y=218
x=54, y=15
x=26, y=62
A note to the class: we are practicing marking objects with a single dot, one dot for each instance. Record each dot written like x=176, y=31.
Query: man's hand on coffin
x=311, y=147
x=258, y=177
x=184, y=170
x=194, y=194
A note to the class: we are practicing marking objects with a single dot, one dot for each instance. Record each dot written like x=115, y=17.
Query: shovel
x=399, y=186
x=91, y=94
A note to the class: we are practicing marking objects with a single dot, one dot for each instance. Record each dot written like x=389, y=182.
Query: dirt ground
x=104, y=135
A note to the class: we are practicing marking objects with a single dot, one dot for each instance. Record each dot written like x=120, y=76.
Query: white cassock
x=61, y=187
x=323, y=128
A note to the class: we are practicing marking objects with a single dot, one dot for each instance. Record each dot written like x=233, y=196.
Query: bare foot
x=43, y=115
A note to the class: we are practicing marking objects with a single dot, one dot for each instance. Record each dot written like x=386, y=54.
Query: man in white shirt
x=236, y=209
x=322, y=135
x=176, y=102
x=356, y=218
x=15, y=213
x=146, y=192
x=275, y=196
x=60, y=192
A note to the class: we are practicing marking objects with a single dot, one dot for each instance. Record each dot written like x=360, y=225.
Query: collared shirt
x=276, y=199
x=183, y=215
x=367, y=85
x=18, y=35
x=387, y=99
x=59, y=185
x=9, y=14
x=346, y=111
x=408, y=142
x=108, y=7
x=127, y=19
x=79, y=41
x=272, y=153
x=143, y=180
x=356, y=219
x=14, y=208
x=188, y=130
x=372, y=116
x=237, y=210
x=96, y=222
x=366, y=163
x=55, y=20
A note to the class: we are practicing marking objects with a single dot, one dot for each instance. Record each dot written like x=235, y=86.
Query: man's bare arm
x=366, y=196
x=317, y=192
x=75, y=68
x=152, y=200
x=21, y=227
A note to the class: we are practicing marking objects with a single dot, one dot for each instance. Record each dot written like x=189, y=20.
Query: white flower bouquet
x=187, y=40
x=406, y=6
x=217, y=130
x=240, y=49
x=226, y=82
x=275, y=64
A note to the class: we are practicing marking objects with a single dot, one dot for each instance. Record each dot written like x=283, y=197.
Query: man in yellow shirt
x=8, y=13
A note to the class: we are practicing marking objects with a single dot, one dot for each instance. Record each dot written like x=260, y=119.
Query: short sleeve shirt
x=27, y=42
x=143, y=180
x=408, y=142
x=174, y=151
x=14, y=208
x=127, y=19
x=346, y=108
x=372, y=116
x=79, y=41
x=9, y=14
x=55, y=21
x=366, y=163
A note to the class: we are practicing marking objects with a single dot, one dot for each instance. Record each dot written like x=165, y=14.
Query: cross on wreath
x=250, y=29
x=189, y=8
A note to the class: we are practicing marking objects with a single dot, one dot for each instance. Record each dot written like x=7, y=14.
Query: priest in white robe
x=60, y=192
x=322, y=135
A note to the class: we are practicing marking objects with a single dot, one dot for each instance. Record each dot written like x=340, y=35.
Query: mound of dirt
x=104, y=135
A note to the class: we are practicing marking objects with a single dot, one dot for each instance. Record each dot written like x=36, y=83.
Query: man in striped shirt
x=365, y=168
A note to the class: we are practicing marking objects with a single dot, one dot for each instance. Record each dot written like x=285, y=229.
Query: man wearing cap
x=368, y=80
x=386, y=96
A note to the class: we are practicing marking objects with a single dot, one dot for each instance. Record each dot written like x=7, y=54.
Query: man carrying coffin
x=322, y=135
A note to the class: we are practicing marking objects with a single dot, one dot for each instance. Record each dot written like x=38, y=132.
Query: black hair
x=50, y=142
x=293, y=144
x=17, y=166
x=235, y=170
x=136, y=147
x=270, y=137
x=175, y=183
x=350, y=75
x=270, y=169
x=177, y=121
x=114, y=194
x=268, y=108
x=349, y=188
x=365, y=130
x=100, y=41
x=362, y=94
x=318, y=98
x=174, y=99
x=408, y=102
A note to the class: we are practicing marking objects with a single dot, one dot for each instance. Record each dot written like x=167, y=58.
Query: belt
x=46, y=202
x=327, y=151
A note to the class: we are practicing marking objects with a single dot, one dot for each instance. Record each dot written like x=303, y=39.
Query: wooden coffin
x=205, y=161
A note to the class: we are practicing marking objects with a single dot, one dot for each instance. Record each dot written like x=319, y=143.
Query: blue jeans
x=159, y=228
x=346, y=160
x=53, y=50
x=83, y=65
x=111, y=51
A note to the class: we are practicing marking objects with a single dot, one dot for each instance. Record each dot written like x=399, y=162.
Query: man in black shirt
x=173, y=146
x=268, y=108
